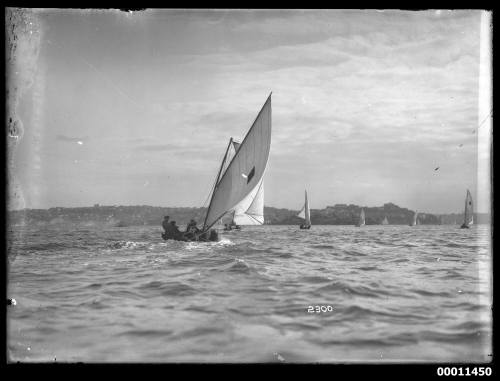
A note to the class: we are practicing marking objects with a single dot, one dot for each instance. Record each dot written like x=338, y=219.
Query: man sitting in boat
x=171, y=230
x=191, y=229
x=166, y=227
x=176, y=233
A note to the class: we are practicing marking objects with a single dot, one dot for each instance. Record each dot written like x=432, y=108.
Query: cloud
x=359, y=97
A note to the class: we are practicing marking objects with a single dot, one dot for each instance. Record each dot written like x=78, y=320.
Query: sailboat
x=385, y=221
x=240, y=176
x=305, y=213
x=468, y=212
x=361, y=221
x=414, y=222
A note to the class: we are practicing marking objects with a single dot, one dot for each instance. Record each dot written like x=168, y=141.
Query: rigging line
x=102, y=75
x=209, y=194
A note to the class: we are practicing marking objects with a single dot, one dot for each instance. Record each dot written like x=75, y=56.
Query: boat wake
x=203, y=245
x=128, y=245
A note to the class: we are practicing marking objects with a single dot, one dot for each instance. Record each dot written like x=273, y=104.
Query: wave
x=377, y=343
x=314, y=279
x=197, y=332
x=354, y=253
x=452, y=274
x=430, y=293
x=167, y=288
x=322, y=246
x=50, y=246
x=128, y=245
x=203, y=245
x=351, y=290
x=239, y=266
x=369, y=268
x=455, y=337
x=145, y=333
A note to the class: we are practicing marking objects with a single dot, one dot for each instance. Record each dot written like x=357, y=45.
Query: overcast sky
x=137, y=108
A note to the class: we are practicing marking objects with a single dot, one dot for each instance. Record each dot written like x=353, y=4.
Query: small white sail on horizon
x=468, y=211
x=385, y=221
x=361, y=221
x=415, y=221
x=240, y=178
x=305, y=212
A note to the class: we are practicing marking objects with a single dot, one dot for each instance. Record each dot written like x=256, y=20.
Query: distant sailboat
x=385, y=221
x=240, y=176
x=361, y=221
x=468, y=212
x=415, y=221
x=305, y=213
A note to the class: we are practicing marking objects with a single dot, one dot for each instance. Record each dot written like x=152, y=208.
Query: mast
x=468, y=211
x=307, y=211
x=465, y=207
x=216, y=181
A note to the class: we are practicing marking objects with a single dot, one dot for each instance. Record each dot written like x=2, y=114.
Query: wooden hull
x=211, y=236
x=231, y=229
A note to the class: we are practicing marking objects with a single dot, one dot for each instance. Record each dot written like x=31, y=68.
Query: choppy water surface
x=397, y=293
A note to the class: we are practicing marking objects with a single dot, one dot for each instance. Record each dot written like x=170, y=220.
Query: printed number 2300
x=319, y=309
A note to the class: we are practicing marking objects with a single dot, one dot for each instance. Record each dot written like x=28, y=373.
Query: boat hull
x=237, y=227
x=305, y=227
x=211, y=236
x=464, y=227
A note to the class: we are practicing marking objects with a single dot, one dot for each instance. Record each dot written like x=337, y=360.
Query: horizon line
x=204, y=207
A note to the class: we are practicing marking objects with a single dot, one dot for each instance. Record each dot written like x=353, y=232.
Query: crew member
x=191, y=227
x=166, y=227
x=176, y=233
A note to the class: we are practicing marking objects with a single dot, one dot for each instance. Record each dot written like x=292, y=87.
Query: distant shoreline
x=140, y=215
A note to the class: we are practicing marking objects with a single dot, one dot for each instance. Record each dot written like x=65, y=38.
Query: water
x=395, y=294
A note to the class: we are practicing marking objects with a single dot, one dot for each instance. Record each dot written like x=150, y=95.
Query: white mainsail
x=361, y=218
x=250, y=211
x=244, y=172
x=305, y=212
x=468, y=212
x=414, y=222
x=385, y=221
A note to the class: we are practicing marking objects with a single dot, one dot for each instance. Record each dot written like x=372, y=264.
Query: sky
x=368, y=107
